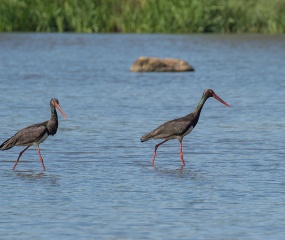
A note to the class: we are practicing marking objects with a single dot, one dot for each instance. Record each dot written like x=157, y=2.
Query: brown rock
x=152, y=64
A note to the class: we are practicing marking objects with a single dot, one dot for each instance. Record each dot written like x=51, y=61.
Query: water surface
x=99, y=181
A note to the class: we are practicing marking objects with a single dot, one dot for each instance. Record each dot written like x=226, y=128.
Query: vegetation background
x=143, y=16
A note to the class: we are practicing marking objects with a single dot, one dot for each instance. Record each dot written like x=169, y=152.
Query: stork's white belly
x=44, y=137
x=188, y=131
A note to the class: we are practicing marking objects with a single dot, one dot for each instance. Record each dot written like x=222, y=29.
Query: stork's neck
x=53, y=122
x=53, y=113
x=198, y=110
x=201, y=104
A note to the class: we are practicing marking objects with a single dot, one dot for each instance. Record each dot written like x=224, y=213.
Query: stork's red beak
x=59, y=108
x=219, y=99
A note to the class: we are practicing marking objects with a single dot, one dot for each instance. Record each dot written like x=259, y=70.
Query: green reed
x=143, y=16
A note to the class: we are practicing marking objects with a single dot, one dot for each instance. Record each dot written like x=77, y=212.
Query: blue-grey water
x=99, y=182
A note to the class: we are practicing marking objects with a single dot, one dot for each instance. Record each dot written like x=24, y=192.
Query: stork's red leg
x=181, y=153
x=20, y=154
x=41, y=159
x=154, y=154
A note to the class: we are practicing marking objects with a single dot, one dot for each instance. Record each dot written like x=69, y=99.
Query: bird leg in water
x=20, y=154
x=181, y=153
x=154, y=154
x=41, y=159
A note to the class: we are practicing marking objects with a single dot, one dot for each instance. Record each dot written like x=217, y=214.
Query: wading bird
x=35, y=134
x=180, y=127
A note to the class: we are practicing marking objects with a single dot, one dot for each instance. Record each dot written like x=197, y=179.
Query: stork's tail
x=9, y=143
x=146, y=137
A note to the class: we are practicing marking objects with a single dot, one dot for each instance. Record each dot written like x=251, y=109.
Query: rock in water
x=152, y=64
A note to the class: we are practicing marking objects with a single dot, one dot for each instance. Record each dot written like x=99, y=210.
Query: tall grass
x=141, y=16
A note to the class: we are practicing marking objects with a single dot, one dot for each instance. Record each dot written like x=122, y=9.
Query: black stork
x=36, y=133
x=180, y=127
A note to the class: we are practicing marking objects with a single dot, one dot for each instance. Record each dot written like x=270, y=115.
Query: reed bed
x=143, y=16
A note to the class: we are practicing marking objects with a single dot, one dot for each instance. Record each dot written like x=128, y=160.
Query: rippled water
x=99, y=182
